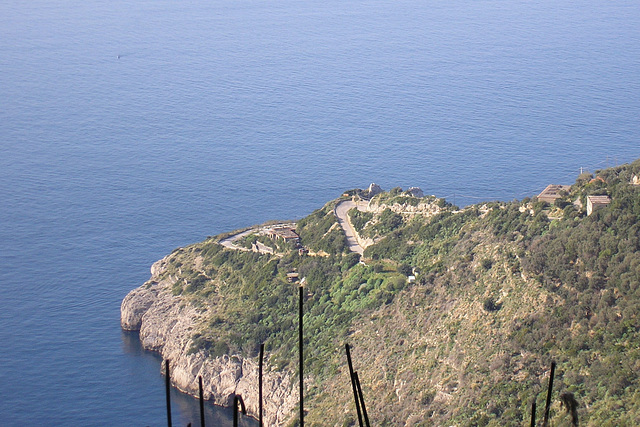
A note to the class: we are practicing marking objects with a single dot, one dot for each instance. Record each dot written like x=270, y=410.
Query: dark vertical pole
x=260, y=384
x=301, y=358
x=548, y=406
x=235, y=411
x=168, y=390
x=353, y=385
x=201, y=401
x=533, y=414
x=238, y=400
x=364, y=408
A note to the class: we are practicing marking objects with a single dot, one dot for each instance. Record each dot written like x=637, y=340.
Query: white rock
x=375, y=189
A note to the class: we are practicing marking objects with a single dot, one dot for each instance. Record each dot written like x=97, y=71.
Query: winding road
x=228, y=242
x=341, y=210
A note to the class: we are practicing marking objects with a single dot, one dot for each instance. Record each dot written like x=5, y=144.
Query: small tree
x=491, y=305
x=405, y=269
x=487, y=263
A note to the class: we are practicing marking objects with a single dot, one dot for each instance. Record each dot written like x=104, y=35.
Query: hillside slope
x=500, y=290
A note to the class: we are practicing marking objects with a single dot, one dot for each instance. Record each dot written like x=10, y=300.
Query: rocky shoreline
x=166, y=323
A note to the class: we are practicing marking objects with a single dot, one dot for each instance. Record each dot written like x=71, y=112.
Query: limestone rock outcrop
x=426, y=207
x=415, y=192
x=166, y=323
x=374, y=189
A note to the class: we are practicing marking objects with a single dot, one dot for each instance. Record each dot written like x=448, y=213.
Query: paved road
x=341, y=212
x=228, y=242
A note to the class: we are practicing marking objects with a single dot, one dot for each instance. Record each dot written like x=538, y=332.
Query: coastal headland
x=453, y=314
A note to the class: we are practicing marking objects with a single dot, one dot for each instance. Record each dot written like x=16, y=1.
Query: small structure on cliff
x=596, y=202
x=288, y=234
x=553, y=192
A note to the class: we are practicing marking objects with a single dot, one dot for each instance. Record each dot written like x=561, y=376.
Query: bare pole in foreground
x=260, y=384
x=201, y=401
x=533, y=413
x=545, y=423
x=353, y=384
x=300, y=347
x=168, y=391
x=364, y=408
x=238, y=399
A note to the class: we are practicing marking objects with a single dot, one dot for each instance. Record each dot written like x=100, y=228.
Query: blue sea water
x=130, y=128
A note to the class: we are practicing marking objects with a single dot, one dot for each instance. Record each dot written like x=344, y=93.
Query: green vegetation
x=359, y=219
x=320, y=231
x=502, y=289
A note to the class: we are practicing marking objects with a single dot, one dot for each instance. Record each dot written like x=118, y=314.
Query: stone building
x=287, y=234
x=596, y=202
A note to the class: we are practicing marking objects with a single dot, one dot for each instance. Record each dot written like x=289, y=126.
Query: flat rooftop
x=604, y=200
x=285, y=232
x=553, y=191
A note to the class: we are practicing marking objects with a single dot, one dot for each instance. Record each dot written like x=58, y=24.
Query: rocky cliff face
x=166, y=324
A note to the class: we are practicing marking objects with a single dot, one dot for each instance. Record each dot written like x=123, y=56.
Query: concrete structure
x=287, y=234
x=553, y=192
x=635, y=180
x=596, y=202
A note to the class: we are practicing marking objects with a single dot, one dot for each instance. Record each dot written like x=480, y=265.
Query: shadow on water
x=185, y=408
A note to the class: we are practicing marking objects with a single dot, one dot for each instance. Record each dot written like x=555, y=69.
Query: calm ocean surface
x=130, y=128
